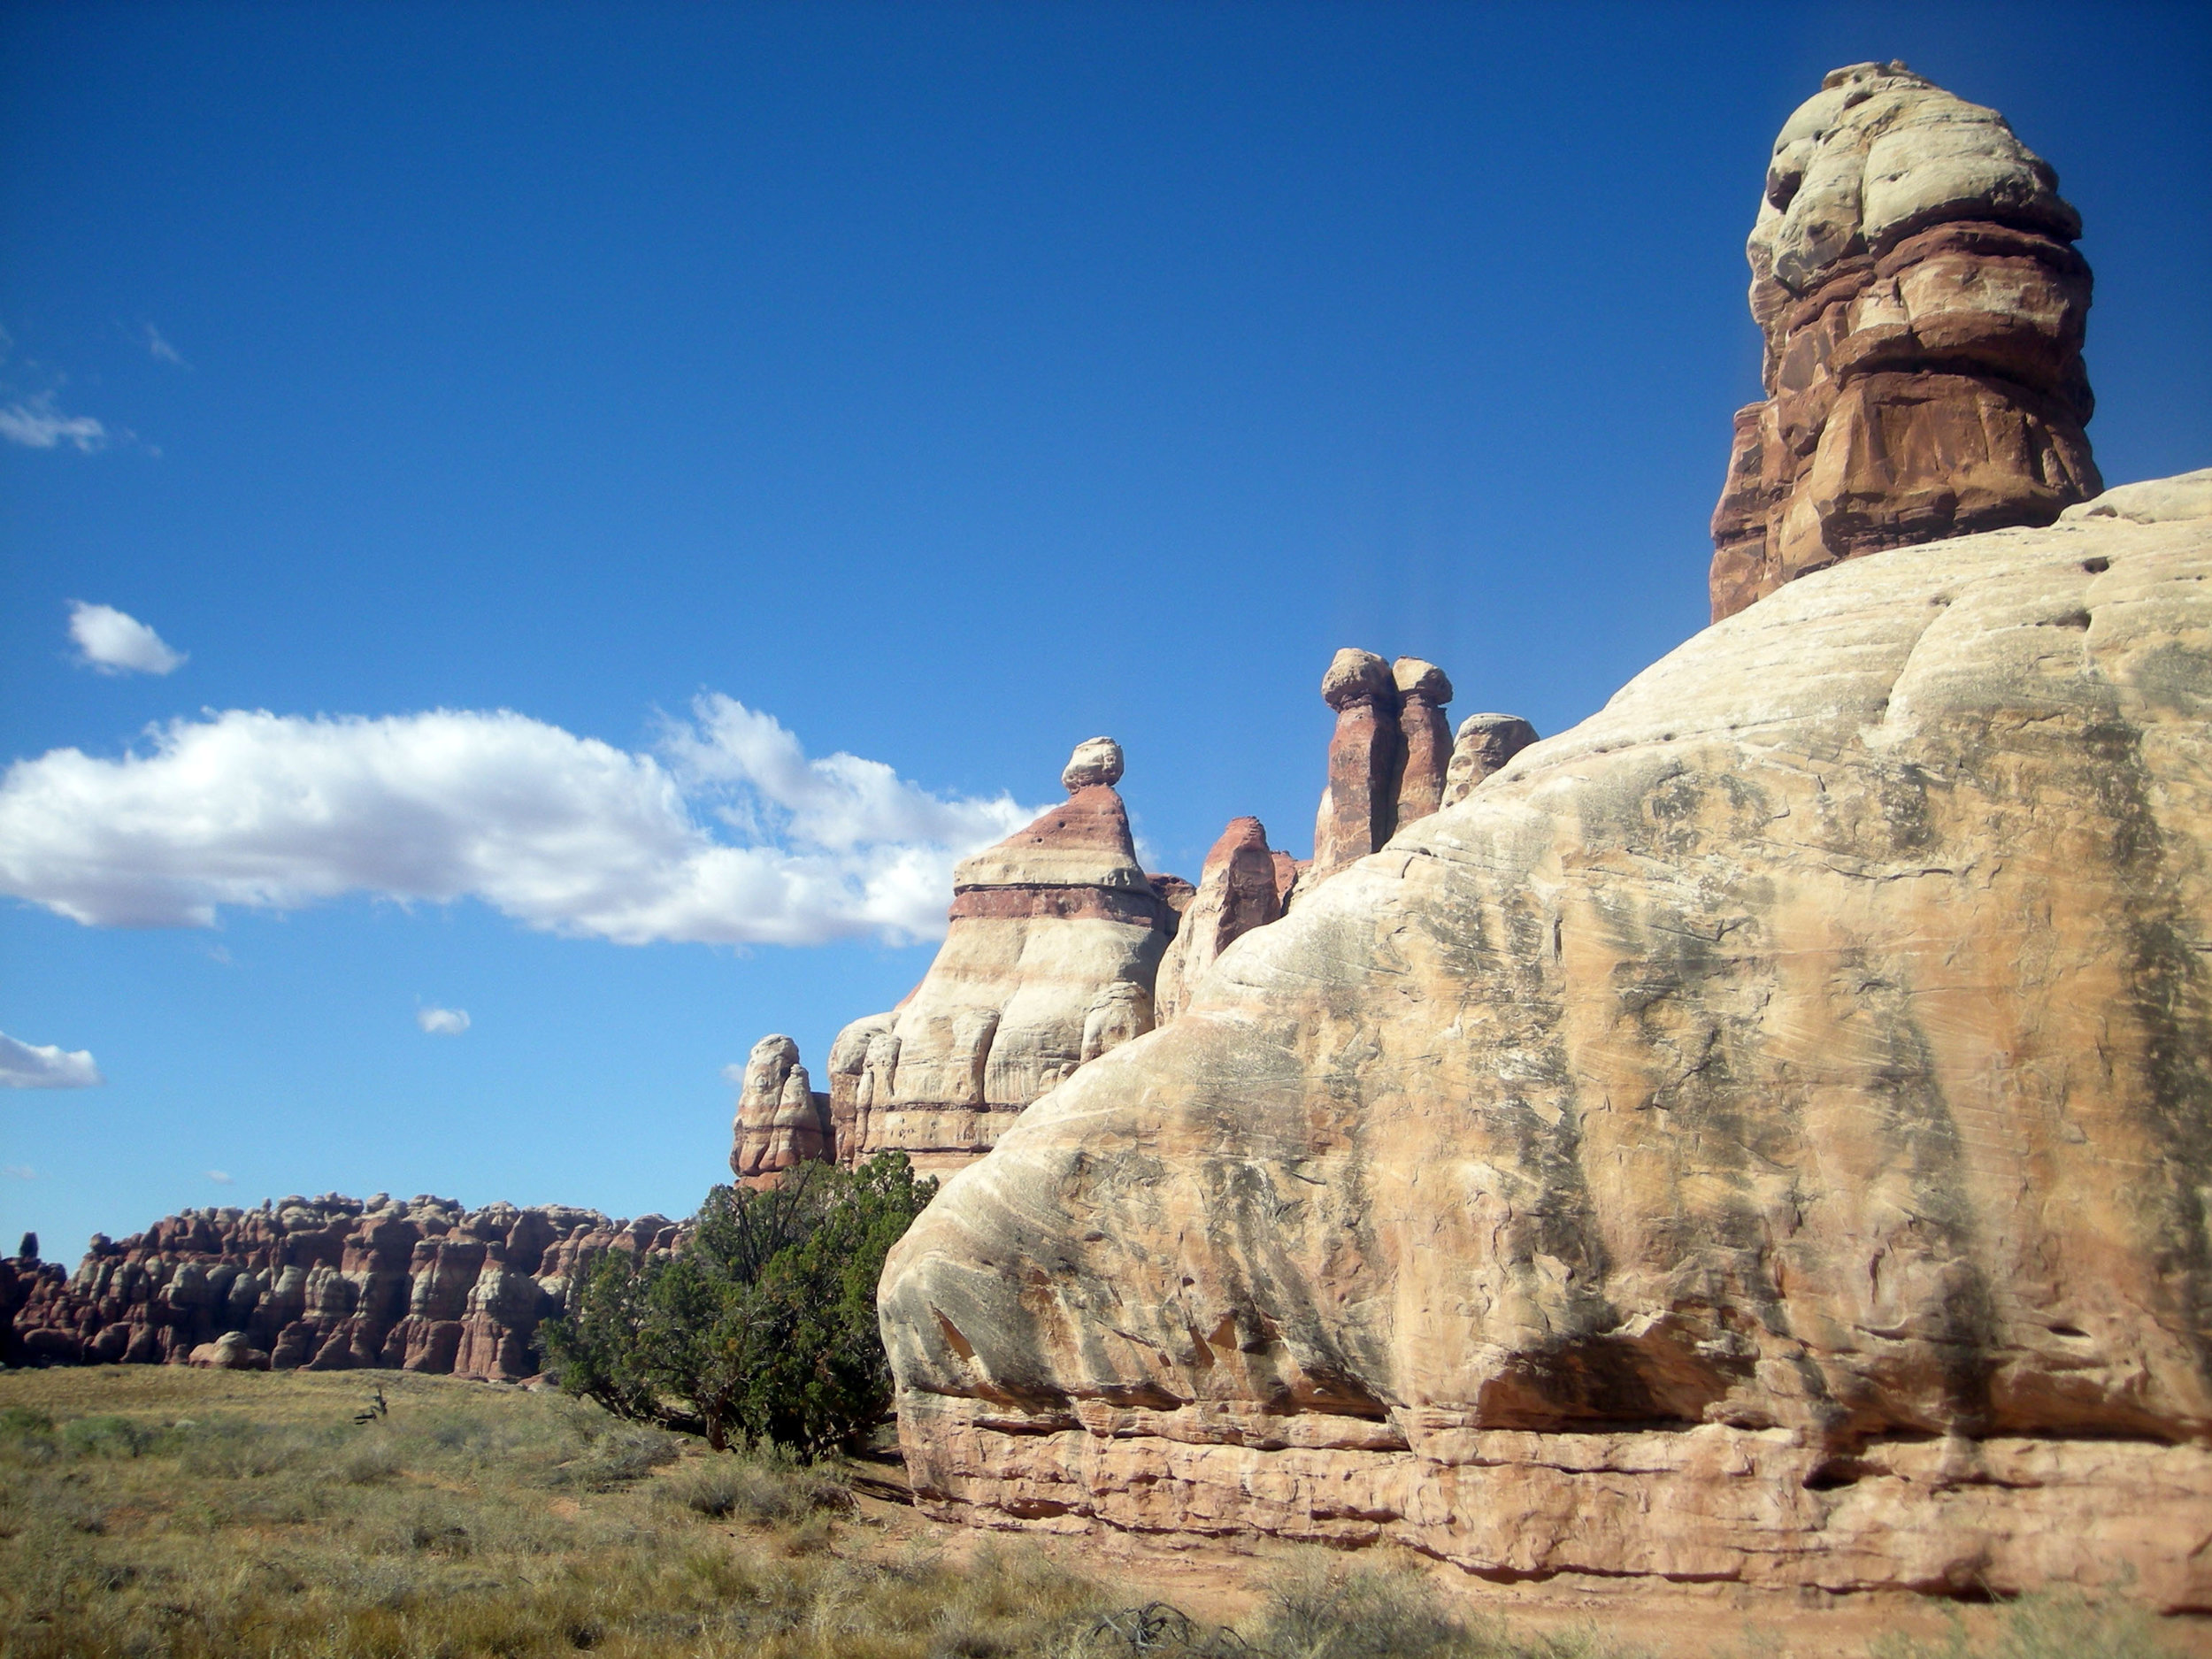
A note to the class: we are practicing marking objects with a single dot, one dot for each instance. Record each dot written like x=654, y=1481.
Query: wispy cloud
x=18, y=1171
x=443, y=1021
x=28, y=1065
x=113, y=642
x=221, y=1178
x=729, y=834
x=35, y=424
x=161, y=350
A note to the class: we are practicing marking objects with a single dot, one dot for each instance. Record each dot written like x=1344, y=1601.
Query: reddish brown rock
x=781, y=1122
x=1424, y=740
x=1359, y=804
x=1484, y=743
x=333, y=1284
x=1237, y=891
x=1913, y=271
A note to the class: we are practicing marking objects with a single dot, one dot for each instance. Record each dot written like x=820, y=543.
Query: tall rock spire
x=1913, y=272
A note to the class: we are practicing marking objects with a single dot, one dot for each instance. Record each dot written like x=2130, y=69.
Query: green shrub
x=762, y=1328
x=761, y=1490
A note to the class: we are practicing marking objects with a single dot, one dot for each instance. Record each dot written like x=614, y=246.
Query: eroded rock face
x=1237, y=891
x=1424, y=739
x=1914, y=273
x=1760, y=1136
x=1055, y=936
x=781, y=1122
x=1484, y=744
x=331, y=1284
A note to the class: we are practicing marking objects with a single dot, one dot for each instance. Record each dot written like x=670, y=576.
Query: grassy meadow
x=155, y=1510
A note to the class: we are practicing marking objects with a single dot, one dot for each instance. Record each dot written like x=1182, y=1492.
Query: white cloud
x=735, y=838
x=161, y=349
x=734, y=1074
x=37, y=425
x=24, y=1065
x=18, y=1171
x=221, y=1178
x=115, y=643
x=443, y=1021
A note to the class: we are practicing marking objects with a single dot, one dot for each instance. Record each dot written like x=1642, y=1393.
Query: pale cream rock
x=1760, y=1136
x=781, y=1122
x=1485, y=742
x=1056, y=937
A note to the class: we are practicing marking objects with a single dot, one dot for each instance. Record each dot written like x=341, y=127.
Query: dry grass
x=150, y=1510
x=158, y=1511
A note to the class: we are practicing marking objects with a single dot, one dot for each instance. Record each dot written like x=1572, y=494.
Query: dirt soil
x=1218, y=1581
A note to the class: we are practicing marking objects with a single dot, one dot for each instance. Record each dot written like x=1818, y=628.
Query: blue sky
x=721, y=389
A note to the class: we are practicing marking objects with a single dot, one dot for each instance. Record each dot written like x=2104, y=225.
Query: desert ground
x=157, y=1509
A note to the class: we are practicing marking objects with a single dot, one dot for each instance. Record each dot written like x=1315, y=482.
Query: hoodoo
x=1055, y=937
x=1913, y=272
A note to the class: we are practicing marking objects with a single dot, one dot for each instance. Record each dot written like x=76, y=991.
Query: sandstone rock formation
x=1359, y=801
x=330, y=1284
x=1913, y=271
x=781, y=1122
x=1056, y=935
x=1237, y=891
x=1484, y=744
x=1759, y=1137
x=1424, y=739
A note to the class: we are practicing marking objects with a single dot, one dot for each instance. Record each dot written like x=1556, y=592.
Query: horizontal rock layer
x=1757, y=1135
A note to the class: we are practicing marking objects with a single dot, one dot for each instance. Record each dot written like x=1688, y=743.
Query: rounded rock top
x=1352, y=675
x=1415, y=678
x=1096, y=760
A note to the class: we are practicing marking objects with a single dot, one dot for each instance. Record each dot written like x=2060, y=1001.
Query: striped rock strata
x=1913, y=272
x=1759, y=1135
x=329, y=1284
x=1054, y=938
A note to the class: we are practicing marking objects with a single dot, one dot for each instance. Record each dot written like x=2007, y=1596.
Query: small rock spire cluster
x=1914, y=273
x=1392, y=758
x=1062, y=948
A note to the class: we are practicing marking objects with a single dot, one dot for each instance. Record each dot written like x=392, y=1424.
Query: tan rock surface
x=1484, y=744
x=1237, y=891
x=1056, y=937
x=781, y=1122
x=1759, y=1137
x=1914, y=273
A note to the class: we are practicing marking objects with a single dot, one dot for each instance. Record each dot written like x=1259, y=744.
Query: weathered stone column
x=1359, y=806
x=1914, y=273
x=1425, y=739
x=781, y=1122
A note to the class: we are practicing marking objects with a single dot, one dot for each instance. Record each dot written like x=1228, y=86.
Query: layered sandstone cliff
x=328, y=1284
x=1758, y=1135
x=1914, y=273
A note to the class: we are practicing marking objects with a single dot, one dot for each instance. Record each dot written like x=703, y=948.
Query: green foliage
x=763, y=1326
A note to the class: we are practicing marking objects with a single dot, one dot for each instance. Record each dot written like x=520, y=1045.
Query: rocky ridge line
x=325, y=1284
